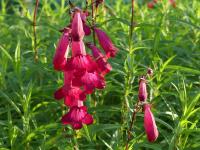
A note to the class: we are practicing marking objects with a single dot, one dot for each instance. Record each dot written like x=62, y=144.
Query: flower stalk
x=127, y=81
x=133, y=119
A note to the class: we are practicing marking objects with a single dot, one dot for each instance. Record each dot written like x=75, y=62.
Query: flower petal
x=88, y=119
x=59, y=94
x=150, y=124
x=77, y=125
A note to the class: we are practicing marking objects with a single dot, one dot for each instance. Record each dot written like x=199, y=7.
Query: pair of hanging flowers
x=83, y=73
x=149, y=121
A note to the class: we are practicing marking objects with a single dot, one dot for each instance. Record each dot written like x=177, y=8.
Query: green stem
x=131, y=26
x=34, y=32
x=93, y=21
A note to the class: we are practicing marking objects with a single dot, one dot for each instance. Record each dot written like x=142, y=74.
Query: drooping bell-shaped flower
x=72, y=95
x=80, y=62
x=150, y=124
x=86, y=29
x=151, y=4
x=91, y=81
x=77, y=27
x=103, y=65
x=77, y=116
x=60, y=57
x=78, y=48
x=142, y=94
x=105, y=43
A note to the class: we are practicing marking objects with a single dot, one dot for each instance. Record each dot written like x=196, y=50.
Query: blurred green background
x=166, y=39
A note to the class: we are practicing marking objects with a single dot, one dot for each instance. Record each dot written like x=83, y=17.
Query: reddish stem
x=135, y=110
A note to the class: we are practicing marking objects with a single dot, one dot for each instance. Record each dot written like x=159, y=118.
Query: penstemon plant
x=149, y=121
x=158, y=111
x=83, y=73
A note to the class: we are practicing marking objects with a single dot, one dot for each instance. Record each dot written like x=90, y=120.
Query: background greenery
x=166, y=39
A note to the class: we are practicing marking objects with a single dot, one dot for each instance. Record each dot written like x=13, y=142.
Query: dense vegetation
x=165, y=38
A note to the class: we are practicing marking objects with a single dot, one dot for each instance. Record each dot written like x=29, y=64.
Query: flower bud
x=150, y=5
x=77, y=27
x=142, y=95
x=150, y=71
x=106, y=43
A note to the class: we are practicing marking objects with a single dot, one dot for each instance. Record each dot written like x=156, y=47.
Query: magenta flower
x=105, y=43
x=80, y=62
x=103, y=66
x=150, y=124
x=77, y=27
x=78, y=48
x=82, y=72
x=74, y=97
x=60, y=56
x=77, y=116
x=91, y=81
x=86, y=28
x=142, y=95
x=71, y=94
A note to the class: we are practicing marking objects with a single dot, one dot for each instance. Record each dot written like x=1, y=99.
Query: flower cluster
x=153, y=3
x=149, y=121
x=83, y=73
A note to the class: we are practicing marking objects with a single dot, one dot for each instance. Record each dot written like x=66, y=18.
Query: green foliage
x=166, y=39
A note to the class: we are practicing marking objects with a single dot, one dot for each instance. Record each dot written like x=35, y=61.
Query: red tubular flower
x=60, y=56
x=105, y=43
x=86, y=28
x=80, y=62
x=173, y=3
x=59, y=94
x=78, y=48
x=71, y=93
x=151, y=5
x=150, y=124
x=74, y=97
x=103, y=66
x=77, y=27
x=142, y=95
x=76, y=117
x=91, y=81
x=155, y=1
